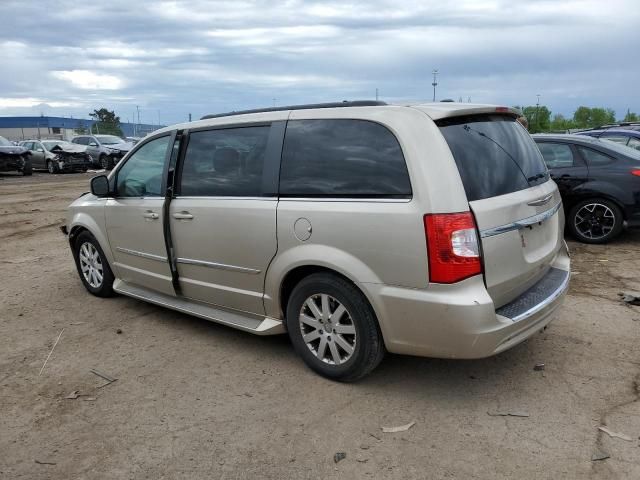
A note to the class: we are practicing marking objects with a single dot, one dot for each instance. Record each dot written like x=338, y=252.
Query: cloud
x=203, y=56
x=87, y=80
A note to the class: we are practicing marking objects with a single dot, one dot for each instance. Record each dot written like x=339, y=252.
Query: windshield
x=109, y=139
x=5, y=143
x=494, y=154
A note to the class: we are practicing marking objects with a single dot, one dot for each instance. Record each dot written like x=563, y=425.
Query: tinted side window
x=141, y=175
x=342, y=158
x=556, y=155
x=494, y=154
x=225, y=163
x=594, y=158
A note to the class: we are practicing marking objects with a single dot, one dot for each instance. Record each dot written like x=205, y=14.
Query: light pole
x=435, y=83
x=537, y=108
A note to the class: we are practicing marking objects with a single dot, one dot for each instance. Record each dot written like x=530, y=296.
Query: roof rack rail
x=345, y=103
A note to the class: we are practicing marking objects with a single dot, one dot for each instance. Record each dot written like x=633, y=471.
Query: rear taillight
x=635, y=172
x=453, y=249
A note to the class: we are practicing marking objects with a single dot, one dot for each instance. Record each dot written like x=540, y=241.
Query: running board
x=258, y=325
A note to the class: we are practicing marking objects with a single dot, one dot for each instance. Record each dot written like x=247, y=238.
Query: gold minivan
x=355, y=227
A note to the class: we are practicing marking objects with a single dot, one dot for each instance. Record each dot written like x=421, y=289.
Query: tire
x=358, y=317
x=595, y=221
x=85, y=244
x=51, y=167
x=27, y=169
x=106, y=162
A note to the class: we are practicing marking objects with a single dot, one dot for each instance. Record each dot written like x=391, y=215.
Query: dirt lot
x=198, y=400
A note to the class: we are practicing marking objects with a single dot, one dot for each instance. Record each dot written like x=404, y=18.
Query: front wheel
x=106, y=162
x=595, y=221
x=333, y=328
x=92, y=265
x=27, y=168
x=51, y=167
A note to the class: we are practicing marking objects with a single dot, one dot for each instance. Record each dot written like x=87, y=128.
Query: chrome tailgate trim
x=541, y=217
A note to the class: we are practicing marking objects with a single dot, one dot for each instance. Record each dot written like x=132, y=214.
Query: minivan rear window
x=494, y=154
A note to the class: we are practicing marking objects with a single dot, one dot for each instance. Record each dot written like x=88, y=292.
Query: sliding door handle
x=183, y=216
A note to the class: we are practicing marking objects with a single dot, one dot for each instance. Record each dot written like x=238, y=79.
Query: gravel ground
x=198, y=400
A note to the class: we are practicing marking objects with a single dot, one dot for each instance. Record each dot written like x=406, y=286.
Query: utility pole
x=537, y=108
x=435, y=83
x=138, y=109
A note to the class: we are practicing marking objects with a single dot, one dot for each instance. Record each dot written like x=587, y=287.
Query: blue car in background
x=627, y=136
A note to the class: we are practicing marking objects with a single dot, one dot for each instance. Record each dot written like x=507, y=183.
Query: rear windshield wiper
x=537, y=177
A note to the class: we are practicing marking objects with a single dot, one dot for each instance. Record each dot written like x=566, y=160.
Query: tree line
x=541, y=120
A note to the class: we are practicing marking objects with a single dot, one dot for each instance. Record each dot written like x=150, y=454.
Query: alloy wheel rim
x=50, y=167
x=327, y=329
x=91, y=264
x=594, y=221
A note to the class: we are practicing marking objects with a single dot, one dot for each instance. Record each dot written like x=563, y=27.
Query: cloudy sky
x=172, y=58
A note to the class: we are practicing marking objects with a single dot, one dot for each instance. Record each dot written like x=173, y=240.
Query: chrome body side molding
x=220, y=266
x=136, y=253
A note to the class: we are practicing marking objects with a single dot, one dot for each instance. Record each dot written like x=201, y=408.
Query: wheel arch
x=84, y=223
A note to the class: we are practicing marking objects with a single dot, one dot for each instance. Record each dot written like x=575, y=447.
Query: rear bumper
x=460, y=321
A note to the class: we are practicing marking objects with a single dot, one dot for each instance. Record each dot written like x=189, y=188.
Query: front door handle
x=183, y=216
x=151, y=215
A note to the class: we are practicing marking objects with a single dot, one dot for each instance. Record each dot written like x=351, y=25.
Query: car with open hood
x=58, y=155
x=14, y=158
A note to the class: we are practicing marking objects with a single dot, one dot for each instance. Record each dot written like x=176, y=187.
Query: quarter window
x=594, y=158
x=342, y=158
x=634, y=143
x=556, y=155
x=225, y=162
x=141, y=175
x=615, y=138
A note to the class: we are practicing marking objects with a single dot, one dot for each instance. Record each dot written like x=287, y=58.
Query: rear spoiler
x=439, y=111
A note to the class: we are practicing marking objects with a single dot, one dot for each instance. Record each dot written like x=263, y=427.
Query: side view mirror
x=100, y=186
x=93, y=144
x=39, y=149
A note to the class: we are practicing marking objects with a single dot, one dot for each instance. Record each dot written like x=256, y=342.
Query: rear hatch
x=517, y=207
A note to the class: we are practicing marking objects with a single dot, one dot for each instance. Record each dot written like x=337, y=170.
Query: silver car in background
x=105, y=150
x=355, y=227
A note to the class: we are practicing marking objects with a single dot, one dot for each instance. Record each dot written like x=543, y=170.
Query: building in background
x=24, y=128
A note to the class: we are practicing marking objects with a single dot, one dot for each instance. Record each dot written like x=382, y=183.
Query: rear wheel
x=595, y=221
x=333, y=328
x=92, y=265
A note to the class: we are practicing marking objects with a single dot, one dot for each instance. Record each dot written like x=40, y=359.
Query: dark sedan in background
x=599, y=182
